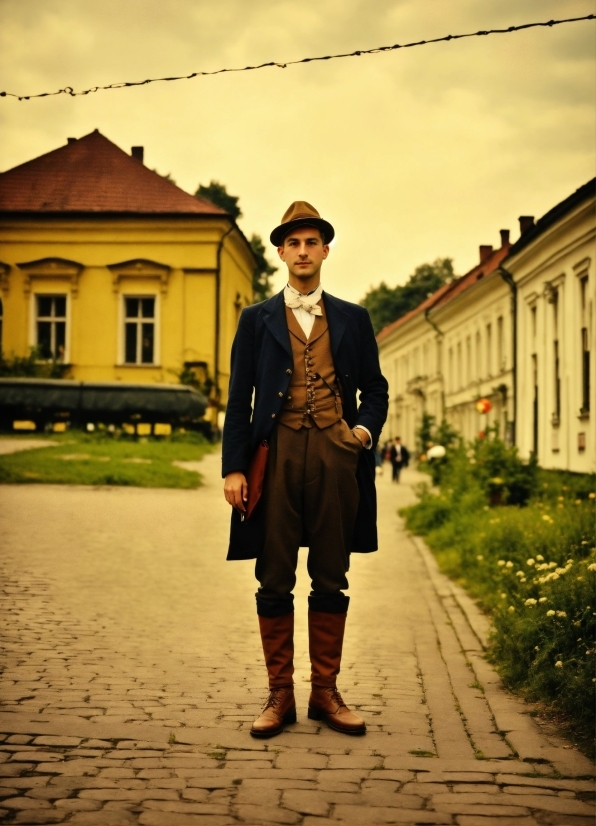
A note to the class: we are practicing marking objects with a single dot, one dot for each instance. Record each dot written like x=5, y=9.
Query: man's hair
x=318, y=229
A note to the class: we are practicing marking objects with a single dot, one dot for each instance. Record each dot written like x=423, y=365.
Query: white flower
x=530, y=562
x=509, y=564
x=543, y=599
x=503, y=595
x=559, y=664
x=539, y=557
x=479, y=557
x=511, y=609
x=592, y=567
x=530, y=602
x=501, y=562
x=519, y=573
x=561, y=613
x=550, y=613
x=592, y=495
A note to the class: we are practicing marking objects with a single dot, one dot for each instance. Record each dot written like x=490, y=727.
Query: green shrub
x=533, y=568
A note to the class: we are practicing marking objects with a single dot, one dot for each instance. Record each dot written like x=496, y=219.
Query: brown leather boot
x=326, y=636
x=277, y=636
x=279, y=711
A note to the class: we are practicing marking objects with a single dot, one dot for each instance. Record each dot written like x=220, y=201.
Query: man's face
x=303, y=251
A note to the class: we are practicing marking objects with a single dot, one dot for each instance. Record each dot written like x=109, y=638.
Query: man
x=304, y=354
x=400, y=458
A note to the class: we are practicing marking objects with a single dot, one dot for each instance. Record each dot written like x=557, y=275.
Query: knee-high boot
x=326, y=636
x=277, y=636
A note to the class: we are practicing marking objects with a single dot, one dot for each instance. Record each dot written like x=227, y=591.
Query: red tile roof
x=448, y=292
x=93, y=175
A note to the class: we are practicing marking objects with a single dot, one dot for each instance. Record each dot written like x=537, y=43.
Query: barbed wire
x=68, y=90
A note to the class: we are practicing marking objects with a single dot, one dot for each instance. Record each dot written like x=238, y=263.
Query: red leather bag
x=255, y=478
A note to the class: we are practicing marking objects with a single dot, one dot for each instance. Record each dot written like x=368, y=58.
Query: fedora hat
x=301, y=214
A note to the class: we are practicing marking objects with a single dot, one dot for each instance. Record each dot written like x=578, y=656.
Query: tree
x=261, y=279
x=386, y=304
x=219, y=195
x=167, y=176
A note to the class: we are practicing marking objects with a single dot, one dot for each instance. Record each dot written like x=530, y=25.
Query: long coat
x=262, y=363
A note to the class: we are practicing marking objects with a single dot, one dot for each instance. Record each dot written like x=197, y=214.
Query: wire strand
x=68, y=90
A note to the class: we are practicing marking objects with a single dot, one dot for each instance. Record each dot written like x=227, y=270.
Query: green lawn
x=103, y=459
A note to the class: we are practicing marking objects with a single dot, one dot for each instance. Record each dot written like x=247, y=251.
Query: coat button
x=273, y=415
x=289, y=372
x=280, y=394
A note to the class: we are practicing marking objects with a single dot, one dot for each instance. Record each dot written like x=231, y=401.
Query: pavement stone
x=133, y=670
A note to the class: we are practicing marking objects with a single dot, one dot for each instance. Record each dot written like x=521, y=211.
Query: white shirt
x=306, y=321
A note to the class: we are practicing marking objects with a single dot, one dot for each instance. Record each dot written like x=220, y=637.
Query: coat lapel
x=337, y=321
x=274, y=316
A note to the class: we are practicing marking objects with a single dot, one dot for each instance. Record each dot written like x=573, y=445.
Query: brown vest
x=313, y=396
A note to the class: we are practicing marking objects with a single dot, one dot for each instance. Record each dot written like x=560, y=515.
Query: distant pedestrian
x=399, y=456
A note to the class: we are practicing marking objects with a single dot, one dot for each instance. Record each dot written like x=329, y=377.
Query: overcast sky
x=412, y=154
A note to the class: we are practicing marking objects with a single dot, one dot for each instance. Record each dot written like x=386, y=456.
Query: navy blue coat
x=262, y=361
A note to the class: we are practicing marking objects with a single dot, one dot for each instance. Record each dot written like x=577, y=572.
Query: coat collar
x=274, y=316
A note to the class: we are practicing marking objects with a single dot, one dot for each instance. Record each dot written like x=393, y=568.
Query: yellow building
x=115, y=271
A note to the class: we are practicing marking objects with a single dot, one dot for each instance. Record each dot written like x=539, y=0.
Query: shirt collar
x=314, y=295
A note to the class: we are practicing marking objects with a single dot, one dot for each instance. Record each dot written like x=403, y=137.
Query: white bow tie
x=295, y=302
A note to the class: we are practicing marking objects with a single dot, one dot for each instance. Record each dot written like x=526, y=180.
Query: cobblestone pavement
x=133, y=671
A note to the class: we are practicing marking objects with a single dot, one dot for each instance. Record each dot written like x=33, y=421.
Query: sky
x=412, y=155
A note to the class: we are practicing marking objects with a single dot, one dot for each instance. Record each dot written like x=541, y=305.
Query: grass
x=533, y=569
x=105, y=459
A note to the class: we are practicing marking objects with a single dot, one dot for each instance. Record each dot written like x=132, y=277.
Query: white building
x=519, y=330
x=552, y=265
x=451, y=351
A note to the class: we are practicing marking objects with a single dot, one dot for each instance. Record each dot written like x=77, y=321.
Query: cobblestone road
x=133, y=671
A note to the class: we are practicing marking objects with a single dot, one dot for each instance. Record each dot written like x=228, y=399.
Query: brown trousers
x=311, y=494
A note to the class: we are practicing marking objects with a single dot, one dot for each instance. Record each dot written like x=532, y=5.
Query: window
x=451, y=381
x=489, y=350
x=500, y=345
x=460, y=374
x=556, y=360
x=478, y=355
x=469, y=358
x=50, y=326
x=139, y=330
x=585, y=348
x=1, y=320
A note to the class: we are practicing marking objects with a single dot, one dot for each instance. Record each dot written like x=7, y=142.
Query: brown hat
x=301, y=214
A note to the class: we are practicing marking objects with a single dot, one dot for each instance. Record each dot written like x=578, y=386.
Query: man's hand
x=236, y=491
x=361, y=435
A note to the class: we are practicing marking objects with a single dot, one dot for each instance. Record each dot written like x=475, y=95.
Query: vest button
x=289, y=372
x=280, y=394
x=273, y=415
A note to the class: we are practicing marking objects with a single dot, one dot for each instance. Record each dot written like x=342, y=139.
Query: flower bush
x=533, y=568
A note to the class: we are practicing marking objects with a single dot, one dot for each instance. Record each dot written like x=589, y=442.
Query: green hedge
x=532, y=567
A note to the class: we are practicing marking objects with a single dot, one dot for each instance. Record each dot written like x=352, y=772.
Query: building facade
x=451, y=351
x=553, y=268
x=518, y=330
x=117, y=273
